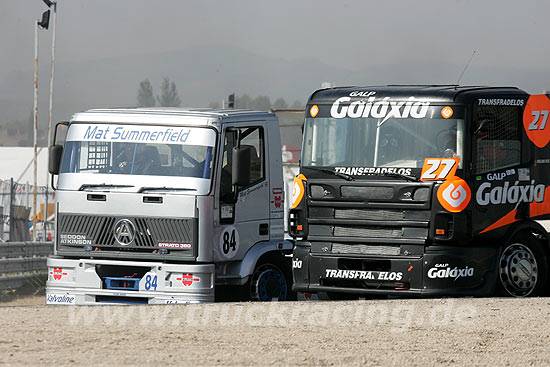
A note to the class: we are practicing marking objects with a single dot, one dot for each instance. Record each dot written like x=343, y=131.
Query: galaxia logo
x=510, y=194
x=381, y=108
x=443, y=271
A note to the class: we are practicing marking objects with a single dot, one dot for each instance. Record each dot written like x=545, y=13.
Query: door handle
x=264, y=229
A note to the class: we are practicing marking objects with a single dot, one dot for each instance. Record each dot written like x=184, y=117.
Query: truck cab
x=422, y=190
x=165, y=205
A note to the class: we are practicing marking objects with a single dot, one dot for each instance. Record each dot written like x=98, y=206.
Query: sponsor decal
x=362, y=171
x=188, y=279
x=141, y=134
x=501, y=175
x=364, y=274
x=500, y=102
x=536, y=209
x=447, y=112
x=174, y=245
x=364, y=93
x=298, y=190
x=250, y=190
x=535, y=118
x=277, y=197
x=504, y=221
x=296, y=264
x=439, y=168
x=510, y=194
x=454, y=195
x=132, y=134
x=314, y=110
x=74, y=239
x=384, y=108
x=524, y=174
x=60, y=299
x=444, y=271
x=540, y=208
x=57, y=273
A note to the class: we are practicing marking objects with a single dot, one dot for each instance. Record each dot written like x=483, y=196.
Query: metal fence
x=16, y=211
x=21, y=261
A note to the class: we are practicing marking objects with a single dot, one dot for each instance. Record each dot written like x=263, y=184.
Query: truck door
x=244, y=221
x=499, y=161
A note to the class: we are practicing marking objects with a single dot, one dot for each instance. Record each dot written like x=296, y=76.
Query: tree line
x=169, y=97
x=20, y=132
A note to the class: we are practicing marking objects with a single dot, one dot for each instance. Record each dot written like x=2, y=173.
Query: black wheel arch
x=534, y=230
x=279, y=259
x=530, y=228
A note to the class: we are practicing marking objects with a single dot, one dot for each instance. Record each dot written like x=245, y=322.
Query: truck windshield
x=139, y=150
x=378, y=142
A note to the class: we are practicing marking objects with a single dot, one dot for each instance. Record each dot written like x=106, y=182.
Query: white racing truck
x=161, y=206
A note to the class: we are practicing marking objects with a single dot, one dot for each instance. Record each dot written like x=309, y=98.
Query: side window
x=253, y=138
x=497, y=142
x=225, y=182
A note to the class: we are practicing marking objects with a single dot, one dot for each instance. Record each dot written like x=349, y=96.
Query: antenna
x=466, y=67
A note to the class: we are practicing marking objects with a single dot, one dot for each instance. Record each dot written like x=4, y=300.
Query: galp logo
x=454, y=195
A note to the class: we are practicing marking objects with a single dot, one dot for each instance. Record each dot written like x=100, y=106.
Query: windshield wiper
x=326, y=170
x=400, y=175
x=164, y=188
x=103, y=185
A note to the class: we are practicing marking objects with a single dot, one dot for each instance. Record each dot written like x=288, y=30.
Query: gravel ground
x=466, y=331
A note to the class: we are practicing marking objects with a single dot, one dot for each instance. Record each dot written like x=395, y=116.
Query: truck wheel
x=332, y=296
x=522, y=268
x=270, y=282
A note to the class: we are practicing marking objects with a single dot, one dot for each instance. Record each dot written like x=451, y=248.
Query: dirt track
x=382, y=332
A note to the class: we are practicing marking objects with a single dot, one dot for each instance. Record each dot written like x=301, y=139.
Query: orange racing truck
x=422, y=190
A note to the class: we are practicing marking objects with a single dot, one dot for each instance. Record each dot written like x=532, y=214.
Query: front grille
x=369, y=214
x=148, y=231
x=367, y=192
x=340, y=248
x=379, y=232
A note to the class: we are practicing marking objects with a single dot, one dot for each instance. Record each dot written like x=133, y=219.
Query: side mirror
x=241, y=166
x=55, y=159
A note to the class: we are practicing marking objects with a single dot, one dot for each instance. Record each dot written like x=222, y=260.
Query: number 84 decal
x=229, y=242
x=439, y=168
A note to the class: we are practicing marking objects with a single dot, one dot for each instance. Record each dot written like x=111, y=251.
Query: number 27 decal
x=539, y=117
x=439, y=168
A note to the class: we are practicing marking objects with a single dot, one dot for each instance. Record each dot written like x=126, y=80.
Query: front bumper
x=80, y=282
x=439, y=271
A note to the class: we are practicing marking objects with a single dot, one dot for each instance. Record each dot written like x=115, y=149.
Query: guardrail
x=20, y=261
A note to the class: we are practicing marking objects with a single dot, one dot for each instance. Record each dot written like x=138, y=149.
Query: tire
x=272, y=281
x=522, y=268
x=332, y=296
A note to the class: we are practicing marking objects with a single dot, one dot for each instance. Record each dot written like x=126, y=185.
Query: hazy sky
x=350, y=34
x=347, y=33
